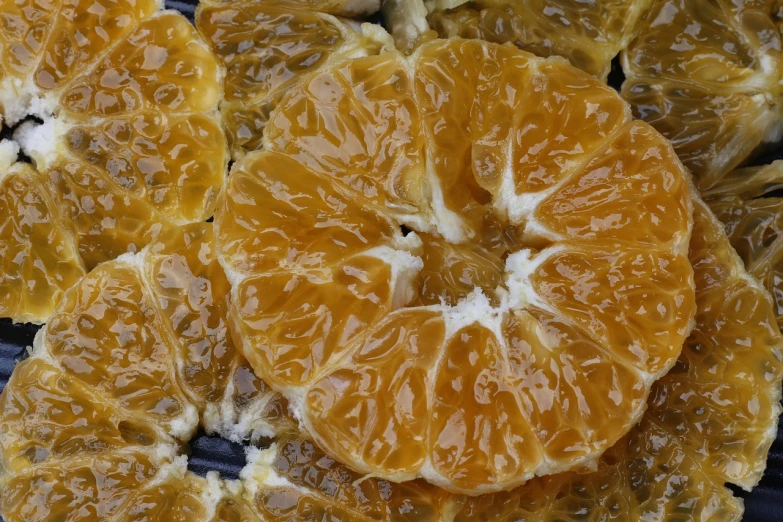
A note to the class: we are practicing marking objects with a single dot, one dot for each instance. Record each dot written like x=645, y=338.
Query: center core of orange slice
x=517, y=329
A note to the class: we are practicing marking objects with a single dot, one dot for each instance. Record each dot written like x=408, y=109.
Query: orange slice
x=135, y=357
x=707, y=76
x=565, y=225
x=588, y=34
x=130, y=143
x=267, y=47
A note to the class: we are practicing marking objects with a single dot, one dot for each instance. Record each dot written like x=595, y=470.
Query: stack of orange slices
x=466, y=265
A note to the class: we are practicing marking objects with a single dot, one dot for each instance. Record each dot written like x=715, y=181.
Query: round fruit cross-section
x=468, y=265
x=114, y=104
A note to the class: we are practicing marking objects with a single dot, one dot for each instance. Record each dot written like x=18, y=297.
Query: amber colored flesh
x=588, y=34
x=333, y=303
x=266, y=48
x=136, y=355
x=706, y=74
x=711, y=420
x=139, y=145
x=86, y=458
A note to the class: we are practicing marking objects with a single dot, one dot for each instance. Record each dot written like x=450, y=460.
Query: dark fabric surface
x=763, y=504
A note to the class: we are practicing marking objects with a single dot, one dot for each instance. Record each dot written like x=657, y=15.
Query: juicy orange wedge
x=451, y=284
x=130, y=143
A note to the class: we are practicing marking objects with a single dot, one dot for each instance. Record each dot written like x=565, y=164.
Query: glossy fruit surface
x=518, y=328
x=134, y=359
x=588, y=33
x=130, y=143
x=707, y=75
x=267, y=47
x=710, y=421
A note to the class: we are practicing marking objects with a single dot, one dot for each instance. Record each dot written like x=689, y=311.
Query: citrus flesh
x=707, y=76
x=267, y=47
x=518, y=328
x=70, y=451
x=589, y=34
x=710, y=420
x=130, y=146
x=134, y=359
x=745, y=201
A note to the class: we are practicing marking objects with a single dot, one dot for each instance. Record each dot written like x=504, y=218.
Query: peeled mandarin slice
x=746, y=203
x=588, y=34
x=267, y=47
x=136, y=356
x=127, y=95
x=392, y=254
x=711, y=420
x=706, y=75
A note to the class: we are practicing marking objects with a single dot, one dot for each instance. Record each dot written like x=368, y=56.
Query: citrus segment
x=589, y=34
x=746, y=202
x=705, y=74
x=267, y=47
x=381, y=412
x=627, y=298
x=116, y=107
x=554, y=364
x=34, y=273
x=109, y=336
x=89, y=204
x=636, y=167
x=46, y=415
x=291, y=207
x=470, y=394
x=157, y=158
x=365, y=219
x=302, y=322
x=374, y=148
x=145, y=71
x=23, y=32
x=69, y=51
